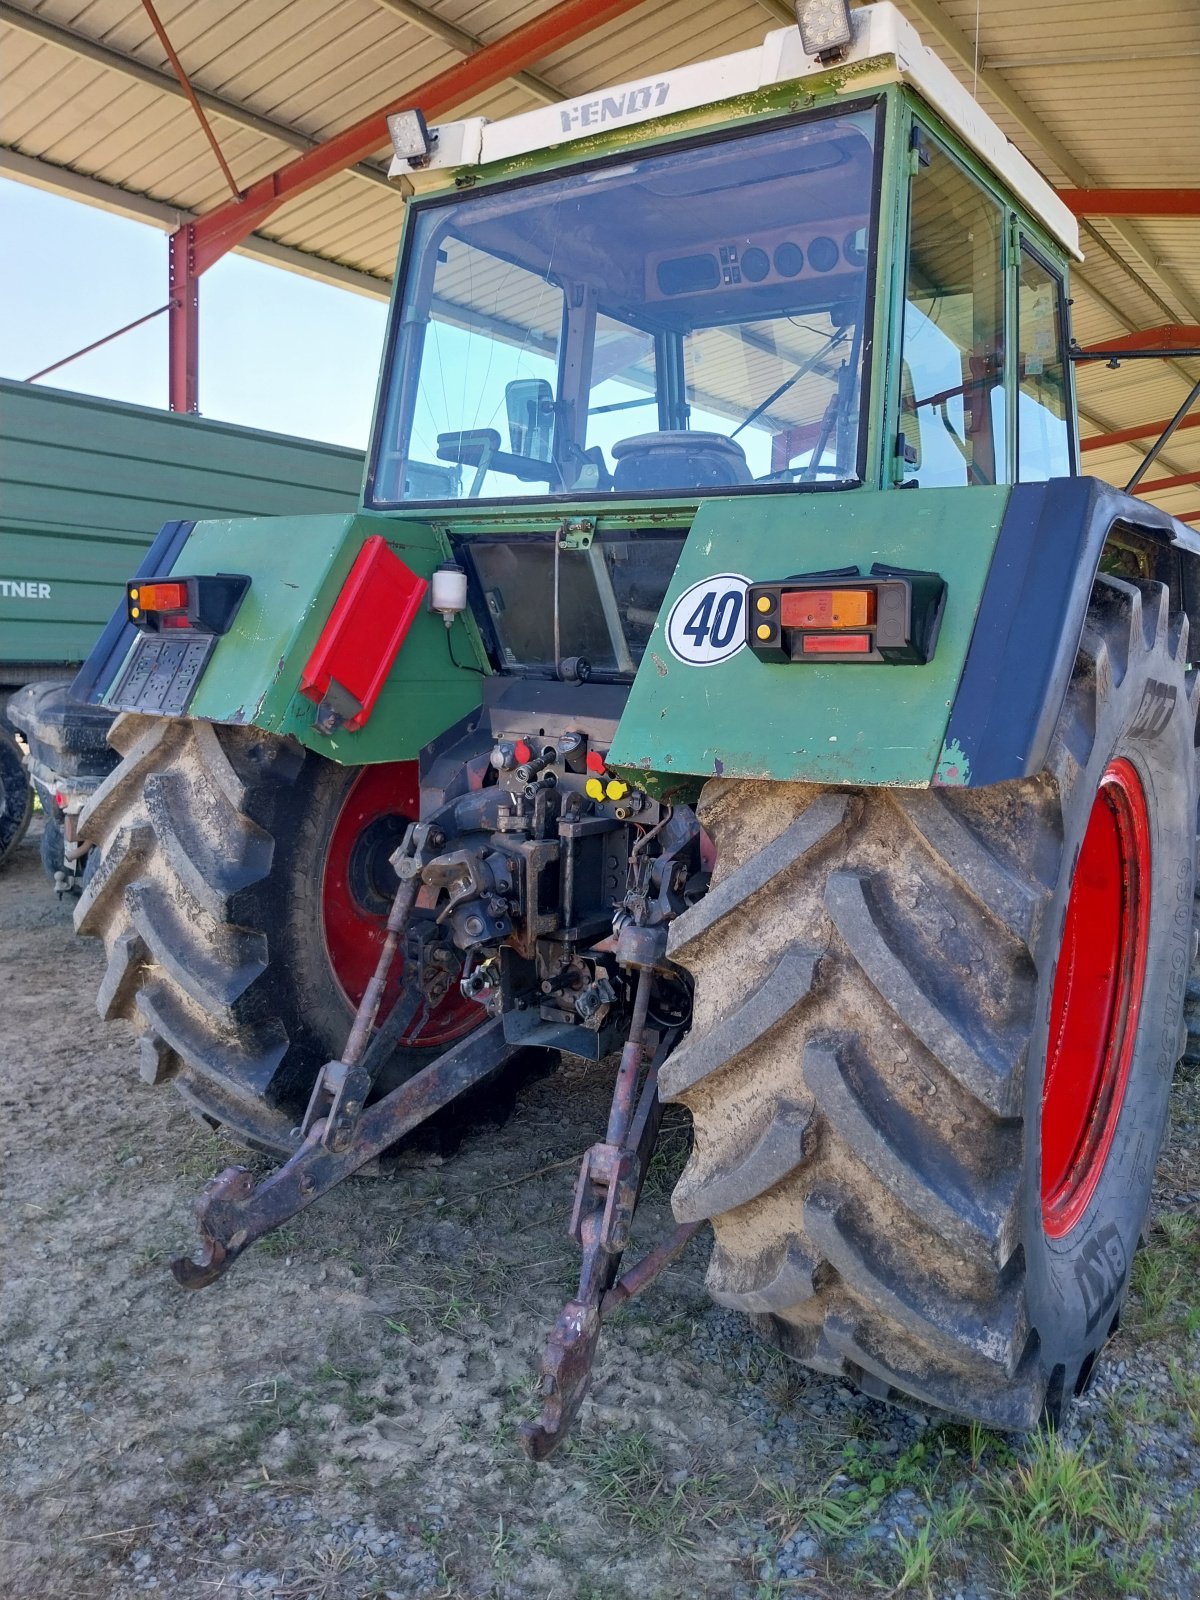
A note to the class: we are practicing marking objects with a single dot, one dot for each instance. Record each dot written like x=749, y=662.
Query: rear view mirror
x=529, y=403
x=910, y=423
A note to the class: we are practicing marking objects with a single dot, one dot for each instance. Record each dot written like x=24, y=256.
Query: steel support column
x=183, y=322
x=200, y=244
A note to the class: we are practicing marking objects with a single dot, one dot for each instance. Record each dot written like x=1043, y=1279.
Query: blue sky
x=277, y=350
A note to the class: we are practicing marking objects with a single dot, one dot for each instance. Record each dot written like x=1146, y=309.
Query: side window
x=1043, y=432
x=952, y=410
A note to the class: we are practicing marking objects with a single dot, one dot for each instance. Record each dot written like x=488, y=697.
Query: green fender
x=831, y=723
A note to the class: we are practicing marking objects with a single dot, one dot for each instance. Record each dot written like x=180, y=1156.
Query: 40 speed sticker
x=708, y=622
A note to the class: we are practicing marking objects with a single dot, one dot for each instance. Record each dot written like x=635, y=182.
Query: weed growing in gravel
x=1185, y=1383
x=1048, y=1523
x=1165, y=1274
x=1062, y=1521
x=267, y=1410
x=669, y=1509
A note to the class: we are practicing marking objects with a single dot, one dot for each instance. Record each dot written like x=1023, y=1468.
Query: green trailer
x=85, y=485
x=728, y=668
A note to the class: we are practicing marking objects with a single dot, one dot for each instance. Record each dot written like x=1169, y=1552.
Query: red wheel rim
x=1097, y=996
x=354, y=894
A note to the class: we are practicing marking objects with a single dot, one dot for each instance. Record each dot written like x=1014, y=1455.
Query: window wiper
x=835, y=338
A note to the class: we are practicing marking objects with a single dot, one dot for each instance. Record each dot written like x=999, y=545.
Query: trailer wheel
x=934, y=1038
x=241, y=893
x=16, y=795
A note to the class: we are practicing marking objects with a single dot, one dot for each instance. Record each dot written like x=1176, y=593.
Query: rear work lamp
x=891, y=617
x=201, y=605
x=411, y=139
x=825, y=28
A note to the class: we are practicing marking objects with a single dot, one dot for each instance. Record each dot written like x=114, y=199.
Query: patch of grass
x=547, y=1539
x=1056, y=1518
x=636, y=1490
x=346, y=1385
x=280, y=1243
x=1165, y=1273
x=202, y=1153
x=1185, y=1384
x=268, y=1408
x=1045, y=1520
x=667, y=1162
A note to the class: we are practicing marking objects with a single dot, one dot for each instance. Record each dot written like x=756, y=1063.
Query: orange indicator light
x=837, y=644
x=161, y=596
x=827, y=608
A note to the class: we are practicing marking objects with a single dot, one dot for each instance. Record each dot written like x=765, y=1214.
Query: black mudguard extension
x=97, y=673
x=1031, y=617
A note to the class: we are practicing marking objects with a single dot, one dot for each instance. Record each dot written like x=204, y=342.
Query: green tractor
x=728, y=667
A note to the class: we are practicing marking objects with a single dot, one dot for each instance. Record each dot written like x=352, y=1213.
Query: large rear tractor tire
x=16, y=795
x=241, y=894
x=934, y=1038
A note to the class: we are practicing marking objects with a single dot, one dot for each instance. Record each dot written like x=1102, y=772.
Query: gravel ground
x=337, y=1419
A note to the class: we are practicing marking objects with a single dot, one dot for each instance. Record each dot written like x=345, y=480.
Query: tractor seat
x=682, y=460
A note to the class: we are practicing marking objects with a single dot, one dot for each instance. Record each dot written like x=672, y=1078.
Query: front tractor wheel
x=933, y=1043
x=241, y=894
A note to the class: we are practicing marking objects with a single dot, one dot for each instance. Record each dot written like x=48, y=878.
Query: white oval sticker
x=708, y=622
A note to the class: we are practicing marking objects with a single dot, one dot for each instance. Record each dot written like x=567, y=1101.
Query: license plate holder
x=161, y=674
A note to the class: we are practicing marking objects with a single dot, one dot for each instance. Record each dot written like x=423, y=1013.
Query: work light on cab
x=825, y=28
x=411, y=137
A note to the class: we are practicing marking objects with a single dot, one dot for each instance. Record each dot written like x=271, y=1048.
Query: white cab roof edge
x=887, y=46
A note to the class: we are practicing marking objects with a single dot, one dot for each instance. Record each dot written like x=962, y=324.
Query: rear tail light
x=892, y=617
x=159, y=596
x=204, y=605
x=827, y=608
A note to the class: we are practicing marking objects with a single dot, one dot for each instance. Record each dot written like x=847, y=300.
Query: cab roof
x=885, y=49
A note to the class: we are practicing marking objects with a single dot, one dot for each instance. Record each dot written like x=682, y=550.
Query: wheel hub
x=357, y=885
x=1097, y=994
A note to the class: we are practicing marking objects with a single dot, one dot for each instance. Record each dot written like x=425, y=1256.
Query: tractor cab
x=777, y=274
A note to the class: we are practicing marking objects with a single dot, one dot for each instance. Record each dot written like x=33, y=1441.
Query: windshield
x=691, y=320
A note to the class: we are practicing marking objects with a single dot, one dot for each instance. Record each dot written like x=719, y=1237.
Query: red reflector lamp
x=359, y=644
x=205, y=605
x=890, y=617
x=836, y=644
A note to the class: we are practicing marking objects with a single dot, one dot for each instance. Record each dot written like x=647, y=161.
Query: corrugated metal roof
x=1094, y=92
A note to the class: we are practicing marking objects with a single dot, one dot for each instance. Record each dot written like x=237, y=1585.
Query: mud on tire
x=874, y=973
x=208, y=899
x=16, y=795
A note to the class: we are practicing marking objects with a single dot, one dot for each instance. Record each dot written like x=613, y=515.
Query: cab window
x=952, y=406
x=1043, y=430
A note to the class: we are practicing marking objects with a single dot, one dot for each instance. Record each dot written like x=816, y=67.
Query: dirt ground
x=337, y=1419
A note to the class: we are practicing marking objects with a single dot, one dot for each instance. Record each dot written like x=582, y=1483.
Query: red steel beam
x=218, y=231
x=1144, y=430
x=200, y=244
x=1166, y=337
x=186, y=85
x=1180, y=481
x=1186, y=516
x=1132, y=202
